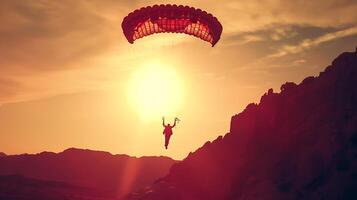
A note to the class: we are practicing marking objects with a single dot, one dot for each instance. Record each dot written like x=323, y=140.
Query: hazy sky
x=66, y=70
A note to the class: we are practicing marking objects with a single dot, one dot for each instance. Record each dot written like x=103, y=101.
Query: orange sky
x=65, y=70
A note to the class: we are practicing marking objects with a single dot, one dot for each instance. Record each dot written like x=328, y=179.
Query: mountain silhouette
x=115, y=175
x=2, y=154
x=300, y=143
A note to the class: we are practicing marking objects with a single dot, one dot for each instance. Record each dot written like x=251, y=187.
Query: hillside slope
x=300, y=143
x=115, y=174
x=16, y=187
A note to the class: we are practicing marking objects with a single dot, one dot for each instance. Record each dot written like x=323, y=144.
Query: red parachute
x=171, y=19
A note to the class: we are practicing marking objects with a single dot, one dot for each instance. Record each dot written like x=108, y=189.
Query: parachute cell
x=171, y=19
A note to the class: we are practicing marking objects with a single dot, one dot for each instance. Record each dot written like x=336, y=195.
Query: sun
x=155, y=90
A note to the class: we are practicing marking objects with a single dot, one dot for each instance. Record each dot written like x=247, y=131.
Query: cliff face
x=115, y=175
x=300, y=143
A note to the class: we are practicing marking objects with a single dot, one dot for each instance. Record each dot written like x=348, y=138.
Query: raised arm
x=174, y=123
x=163, y=121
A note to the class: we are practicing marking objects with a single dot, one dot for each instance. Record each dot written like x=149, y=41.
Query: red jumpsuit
x=168, y=133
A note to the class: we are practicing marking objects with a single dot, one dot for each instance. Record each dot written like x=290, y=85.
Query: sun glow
x=156, y=90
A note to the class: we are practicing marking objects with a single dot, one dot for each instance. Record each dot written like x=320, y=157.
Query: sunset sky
x=69, y=78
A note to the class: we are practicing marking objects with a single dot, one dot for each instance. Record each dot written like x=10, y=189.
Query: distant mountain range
x=113, y=175
x=300, y=143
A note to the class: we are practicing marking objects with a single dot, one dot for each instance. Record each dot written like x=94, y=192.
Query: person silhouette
x=168, y=131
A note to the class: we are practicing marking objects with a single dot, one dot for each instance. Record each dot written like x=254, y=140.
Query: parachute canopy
x=171, y=19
